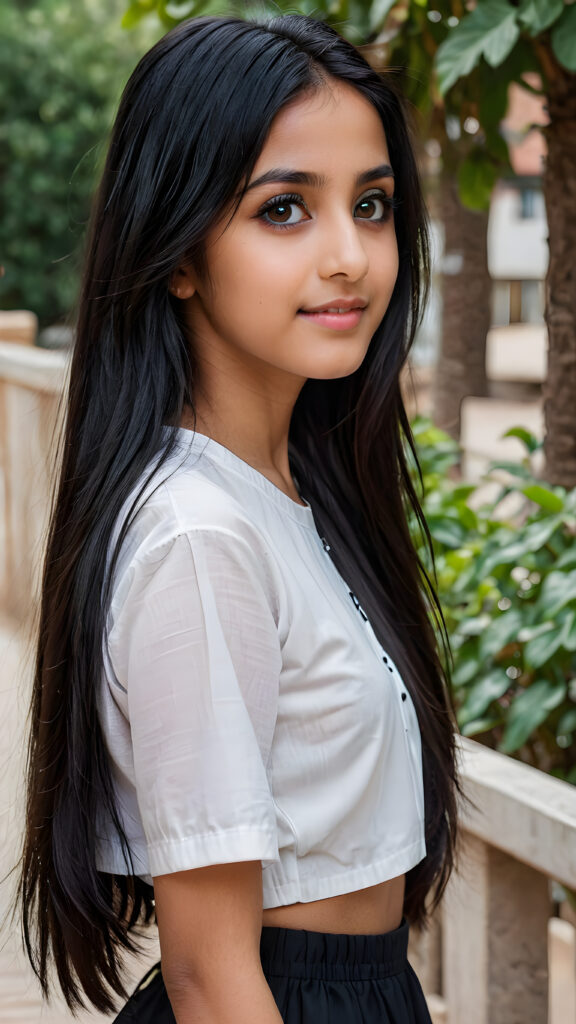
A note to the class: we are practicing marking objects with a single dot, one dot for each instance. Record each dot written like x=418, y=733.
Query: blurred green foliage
x=490, y=45
x=63, y=66
x=357, y=20
x=490, y=32
x=456, y=61
x=506, y=578
x=405, y=36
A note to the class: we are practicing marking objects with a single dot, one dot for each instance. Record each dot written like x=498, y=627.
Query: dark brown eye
x=281, y=213
x=284, y=210
x=374, y=207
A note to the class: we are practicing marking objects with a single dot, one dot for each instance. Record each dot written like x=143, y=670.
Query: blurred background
x=491, y=392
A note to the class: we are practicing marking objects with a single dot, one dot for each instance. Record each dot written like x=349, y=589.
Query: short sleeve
x=195, y=646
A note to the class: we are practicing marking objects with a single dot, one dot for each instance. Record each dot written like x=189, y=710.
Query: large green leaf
x=489, y=31
x=569, y=637
x=463, y=491
x=495, y=144
x=177, y=10
x=132, y=16
x=567, y=558
x=530, y=441
x=539, y=650
x=558, y=589
x=501, y=632
x=538, y=15
x=529, y=632
x=465, y=671
x=446, y=530
x=493, y=87
x=137, y=10
x=477, y=176
x=474, y=625
x=532, y=538
x=490, y=687
x=563, y=38
x=567, y=723
x=521, y=59
x=379, y=10
x=528, y=710
x=514, y=468
x=466, y=516
x=571, y=500
x=544, y=497
x=480, y=725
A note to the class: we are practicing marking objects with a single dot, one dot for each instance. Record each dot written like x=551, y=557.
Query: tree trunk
x=560, y=195
x=466, y=300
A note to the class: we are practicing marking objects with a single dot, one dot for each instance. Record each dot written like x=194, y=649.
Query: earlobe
x=183, y=283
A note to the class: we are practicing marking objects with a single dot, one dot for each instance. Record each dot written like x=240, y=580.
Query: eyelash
x=293, y=199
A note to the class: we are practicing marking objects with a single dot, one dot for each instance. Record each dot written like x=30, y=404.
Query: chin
x=341, y=368
x=340, y=359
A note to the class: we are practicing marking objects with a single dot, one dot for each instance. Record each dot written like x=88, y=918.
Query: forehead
x=333, y=126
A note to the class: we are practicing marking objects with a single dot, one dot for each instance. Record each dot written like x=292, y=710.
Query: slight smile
x=339, y=315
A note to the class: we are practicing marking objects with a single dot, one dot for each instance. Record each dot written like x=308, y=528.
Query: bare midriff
x=370, y=911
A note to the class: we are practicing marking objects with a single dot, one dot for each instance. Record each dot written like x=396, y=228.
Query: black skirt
x=317, y=978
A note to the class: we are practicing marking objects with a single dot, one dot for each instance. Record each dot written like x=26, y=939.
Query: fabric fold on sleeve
x=196, y=647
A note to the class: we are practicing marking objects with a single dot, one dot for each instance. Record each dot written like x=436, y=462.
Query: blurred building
x=517, y=239
x=517, y=231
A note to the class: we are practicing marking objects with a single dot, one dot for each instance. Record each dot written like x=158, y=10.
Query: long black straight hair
x=192, y=122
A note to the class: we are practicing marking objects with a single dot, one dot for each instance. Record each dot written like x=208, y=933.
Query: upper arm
x=209, y=922
x=196, y=647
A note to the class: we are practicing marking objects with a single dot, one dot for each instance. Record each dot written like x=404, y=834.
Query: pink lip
x=346, y=304
x=335, y=321
x=346, y=321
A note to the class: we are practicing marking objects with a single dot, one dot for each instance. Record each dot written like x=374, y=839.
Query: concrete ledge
x=517, y=352
x=526, y=813
x=562, y=960
x=438, y=1009
x=35, y=368
x=19, y=326
x=485, y=421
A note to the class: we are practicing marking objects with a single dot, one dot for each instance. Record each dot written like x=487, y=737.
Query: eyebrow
x=287, y=175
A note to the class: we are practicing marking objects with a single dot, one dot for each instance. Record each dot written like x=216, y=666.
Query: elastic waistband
x=296, y=953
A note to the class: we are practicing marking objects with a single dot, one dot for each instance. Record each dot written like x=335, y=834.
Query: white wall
x=517, y=246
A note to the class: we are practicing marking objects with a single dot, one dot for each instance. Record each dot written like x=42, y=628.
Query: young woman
x=240, y=722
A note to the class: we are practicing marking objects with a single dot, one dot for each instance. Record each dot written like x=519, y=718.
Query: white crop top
x=249, y=711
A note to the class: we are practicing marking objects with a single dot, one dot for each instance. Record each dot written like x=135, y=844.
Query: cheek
x=384, y=268
x=253, y=272
x=386, y=265
x=392, y=271
x=247, y=302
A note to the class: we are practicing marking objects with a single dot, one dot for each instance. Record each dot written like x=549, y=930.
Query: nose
x=342, y=249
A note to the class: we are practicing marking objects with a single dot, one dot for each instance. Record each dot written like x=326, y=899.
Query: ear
x=183, y=283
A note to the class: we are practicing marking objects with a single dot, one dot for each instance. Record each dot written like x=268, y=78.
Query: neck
x=261, y=444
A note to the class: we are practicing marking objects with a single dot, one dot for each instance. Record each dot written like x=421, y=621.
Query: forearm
x=234, y=998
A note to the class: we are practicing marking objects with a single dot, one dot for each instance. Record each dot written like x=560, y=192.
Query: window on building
x=528, y=203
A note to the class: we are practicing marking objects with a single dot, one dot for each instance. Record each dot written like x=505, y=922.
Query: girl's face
x=302, y=275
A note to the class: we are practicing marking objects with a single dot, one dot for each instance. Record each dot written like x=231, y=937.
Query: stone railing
x=484, y=960
x=31, y=383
